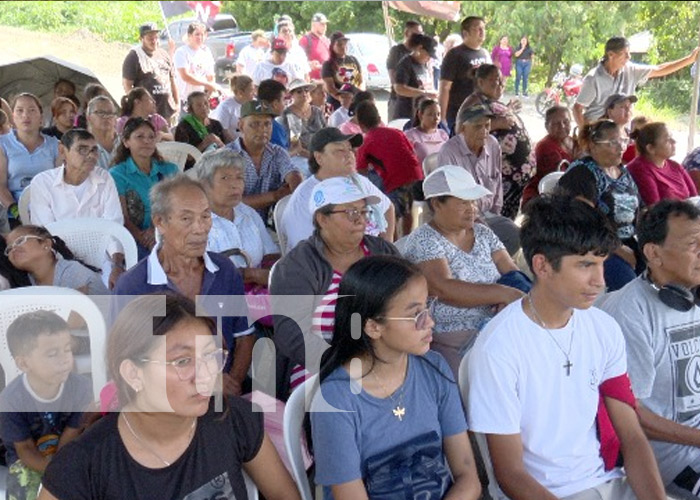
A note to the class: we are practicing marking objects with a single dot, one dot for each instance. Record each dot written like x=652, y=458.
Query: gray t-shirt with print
x=663, y=362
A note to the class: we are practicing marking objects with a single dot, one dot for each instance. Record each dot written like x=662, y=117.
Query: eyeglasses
x=104, y=114
x=87, y=150
x=21, y=241
x=186, y=367
x=421, y=319
x=353, y=214
x=620, y=143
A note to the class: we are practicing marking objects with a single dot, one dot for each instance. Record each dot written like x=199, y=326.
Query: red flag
x=449, y=11
x=205, y=11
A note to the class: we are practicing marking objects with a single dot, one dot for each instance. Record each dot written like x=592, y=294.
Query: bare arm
x=242, y=356
x=504, y=262
x=173, y=90
x=673, y=66
x=578, y=115
x=127, y=84
x=329, y=83
x=30, y=456
x=506, y=452
x=264, y=200
x=5, y=195
x=146, y=238
x=444, y=96
x=293, y=179
x=461, y=462
x=406, y=91
x=269, y=474
x=353, y=490
x=460, y=293
x=188, y=78
x=392, y=76
x=640, y=464
x=658, y=428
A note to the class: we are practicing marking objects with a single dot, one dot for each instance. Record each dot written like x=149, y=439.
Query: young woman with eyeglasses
x=602, y=180
x=171, y=436
x=48, y=261
x=397, y=428
x=315, y=266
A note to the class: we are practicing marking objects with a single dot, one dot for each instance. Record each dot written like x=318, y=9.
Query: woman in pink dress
x=501, y=56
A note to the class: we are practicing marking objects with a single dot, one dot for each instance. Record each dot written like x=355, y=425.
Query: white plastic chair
x=62, y=301
x=494, y=491
x=250, y=487
x=177, y=152
x=398, y=124
x=430, y=163
x=89, y=237
x=549, y=182
x=293, y=422
x=277, y=217
x=23, y=206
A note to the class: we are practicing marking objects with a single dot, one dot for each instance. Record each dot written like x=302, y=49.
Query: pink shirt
x=655, y=184
x=426, y=144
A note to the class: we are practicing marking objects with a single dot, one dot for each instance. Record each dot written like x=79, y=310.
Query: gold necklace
x=568, y=364
x=399, y=411
x=146, y=446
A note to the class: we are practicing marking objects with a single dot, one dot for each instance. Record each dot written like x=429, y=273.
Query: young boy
x=40, y=410
x=548, y=374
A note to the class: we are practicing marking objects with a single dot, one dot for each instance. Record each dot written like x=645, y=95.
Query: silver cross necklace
x=566, y=354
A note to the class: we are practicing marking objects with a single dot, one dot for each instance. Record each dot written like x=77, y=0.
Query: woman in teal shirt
x=137, y=167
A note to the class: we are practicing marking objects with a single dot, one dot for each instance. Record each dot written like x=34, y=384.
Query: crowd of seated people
x=278, y=204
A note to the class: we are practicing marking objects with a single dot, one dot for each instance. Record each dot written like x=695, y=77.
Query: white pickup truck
x=223, y=28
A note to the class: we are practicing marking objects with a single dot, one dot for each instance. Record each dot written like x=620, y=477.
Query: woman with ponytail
x=48, y=261
x=139, y=102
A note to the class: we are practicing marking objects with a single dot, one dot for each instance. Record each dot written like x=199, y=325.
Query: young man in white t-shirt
x=539, y=369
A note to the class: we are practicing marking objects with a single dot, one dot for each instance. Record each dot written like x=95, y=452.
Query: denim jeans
x=522, y=71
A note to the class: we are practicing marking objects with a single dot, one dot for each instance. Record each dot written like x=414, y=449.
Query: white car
x=371, y=50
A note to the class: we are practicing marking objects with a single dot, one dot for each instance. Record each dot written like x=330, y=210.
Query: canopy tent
x=448, y=11
x=38, y=75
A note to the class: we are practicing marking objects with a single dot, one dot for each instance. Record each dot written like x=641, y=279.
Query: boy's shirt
x=518, y=384
x=24, y=415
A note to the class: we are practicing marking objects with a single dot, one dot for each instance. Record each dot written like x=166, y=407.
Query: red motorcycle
x=565, y=89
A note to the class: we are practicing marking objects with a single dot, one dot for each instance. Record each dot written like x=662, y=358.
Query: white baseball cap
x=452, y=180
x=336, y=191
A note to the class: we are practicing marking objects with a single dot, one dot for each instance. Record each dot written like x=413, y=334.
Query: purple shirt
x=485, y=168
x=501, y=58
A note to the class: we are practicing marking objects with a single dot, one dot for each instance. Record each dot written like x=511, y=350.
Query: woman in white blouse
x=237, y=229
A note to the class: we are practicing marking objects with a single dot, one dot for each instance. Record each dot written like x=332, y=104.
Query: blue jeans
x=522, y=71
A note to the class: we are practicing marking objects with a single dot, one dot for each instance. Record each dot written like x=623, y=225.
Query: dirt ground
x=105, y=60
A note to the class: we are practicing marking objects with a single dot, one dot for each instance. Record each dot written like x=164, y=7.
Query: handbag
x=413, y=470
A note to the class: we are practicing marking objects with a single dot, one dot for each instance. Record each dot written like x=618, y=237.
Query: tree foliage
x=562, y=33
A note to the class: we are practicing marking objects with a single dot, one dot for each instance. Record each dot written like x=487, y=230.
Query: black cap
x=148, y=28
x=617, y=98
x=337, y=36
x=331, y=134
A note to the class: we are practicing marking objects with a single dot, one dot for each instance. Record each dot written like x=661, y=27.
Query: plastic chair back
x=494, y=491
x=398, y=124
x=430, y=163
x=62, y=301
x=23, y=206
x=89, y=237
x=177, y=152
x=277, y=213
x=294, y=412
x=549, y=182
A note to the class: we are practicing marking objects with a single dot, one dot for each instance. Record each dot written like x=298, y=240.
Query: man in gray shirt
x=616, y=74
x=659, y=314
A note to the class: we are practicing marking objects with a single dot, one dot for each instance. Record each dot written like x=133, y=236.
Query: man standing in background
x=150, y=67
x=316, y=44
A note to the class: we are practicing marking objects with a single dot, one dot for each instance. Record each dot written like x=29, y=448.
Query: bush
x=672, y=93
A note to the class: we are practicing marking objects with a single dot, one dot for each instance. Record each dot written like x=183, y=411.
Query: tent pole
x=387, y=22
x=694, y=103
